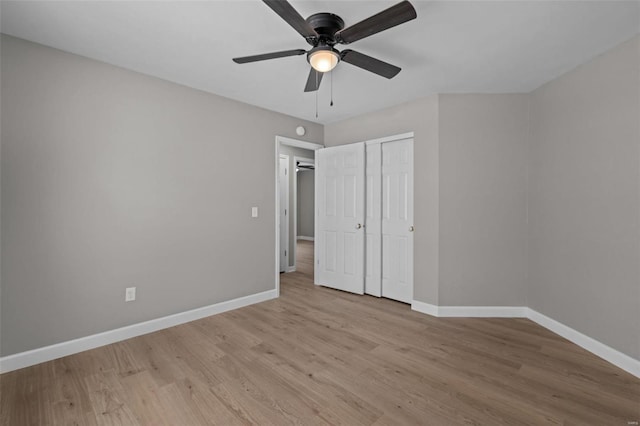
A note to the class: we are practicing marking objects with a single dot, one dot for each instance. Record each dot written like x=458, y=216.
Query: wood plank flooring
x=320, y=356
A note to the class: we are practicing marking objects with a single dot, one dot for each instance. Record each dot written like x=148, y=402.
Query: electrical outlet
x=130, y=294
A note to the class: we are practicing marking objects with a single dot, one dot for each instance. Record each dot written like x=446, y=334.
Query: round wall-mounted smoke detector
x=300, y=131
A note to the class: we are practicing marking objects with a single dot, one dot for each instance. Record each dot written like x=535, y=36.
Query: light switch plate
x=254, y=212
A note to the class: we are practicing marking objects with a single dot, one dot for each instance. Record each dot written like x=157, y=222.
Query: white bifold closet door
x=375, y=256
x=339, y=243
x=373, y=221
x=397, y=220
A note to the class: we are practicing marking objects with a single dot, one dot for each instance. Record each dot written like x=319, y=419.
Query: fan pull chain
x=331, y=104
x=317, y=94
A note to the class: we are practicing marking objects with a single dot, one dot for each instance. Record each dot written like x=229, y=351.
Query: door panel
x=350, y=197
x=340, y=214
x=397, y=220
x=350, y=253
x=331, y=250
x=331, y=193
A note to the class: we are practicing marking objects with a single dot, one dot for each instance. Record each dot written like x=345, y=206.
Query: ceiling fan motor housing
x=326, y=25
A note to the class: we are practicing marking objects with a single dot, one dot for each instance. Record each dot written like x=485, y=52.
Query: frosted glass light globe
x=323, y=60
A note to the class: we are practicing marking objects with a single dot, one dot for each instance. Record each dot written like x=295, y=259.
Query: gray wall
x=306, y=202
x=469, y=154
x=537, y=196
x=584, y=199
x=113, y=179
x=292, y=152
x=420, y=117
x=483, y=201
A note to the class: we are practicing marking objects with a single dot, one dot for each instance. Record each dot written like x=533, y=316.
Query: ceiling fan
x=324, y=30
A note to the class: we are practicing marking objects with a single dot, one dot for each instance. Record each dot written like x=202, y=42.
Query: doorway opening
x=295, y=164
x=304, y=214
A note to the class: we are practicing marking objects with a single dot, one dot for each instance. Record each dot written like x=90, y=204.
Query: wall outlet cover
x=130, y=294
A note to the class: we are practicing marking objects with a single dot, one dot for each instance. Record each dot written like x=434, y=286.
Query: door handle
x=411, y=228
x=358, y=226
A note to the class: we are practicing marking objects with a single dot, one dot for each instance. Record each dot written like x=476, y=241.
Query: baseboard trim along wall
x=617, y=358
x=59, y=350
x=425, y=308
x=605, y=352
x=470, y=311
x=300, y=237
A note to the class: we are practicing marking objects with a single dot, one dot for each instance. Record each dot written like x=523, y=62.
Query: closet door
x=373, y=240
x=339, y=243
x=397, y=220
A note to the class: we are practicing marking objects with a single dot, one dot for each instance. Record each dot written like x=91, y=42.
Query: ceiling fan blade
x=388, y=18
x=313, y=81
x=293, y=18
x=272, y=55
x=368, y=63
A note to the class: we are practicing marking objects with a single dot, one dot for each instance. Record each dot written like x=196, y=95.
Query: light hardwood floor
x=320, y=356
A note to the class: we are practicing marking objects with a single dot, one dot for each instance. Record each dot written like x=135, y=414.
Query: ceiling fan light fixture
x=325, y=30
x=323, y=58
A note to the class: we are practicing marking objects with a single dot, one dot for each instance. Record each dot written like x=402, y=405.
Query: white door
x=397, y=220
x=339, y=243
x=373, y=221
x=283, y=187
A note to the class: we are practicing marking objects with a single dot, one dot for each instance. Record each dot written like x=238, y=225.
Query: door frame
x=284, y=230
x=299, y=144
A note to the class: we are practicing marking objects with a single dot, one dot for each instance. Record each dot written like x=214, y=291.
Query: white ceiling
x=452, y=47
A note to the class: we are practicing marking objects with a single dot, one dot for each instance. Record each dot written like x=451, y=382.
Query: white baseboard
x=300, y=237
x=470, y=311
x=425, y=308
x=617, y=358
x=483, y=311
x=58, y=350
x=291, y=269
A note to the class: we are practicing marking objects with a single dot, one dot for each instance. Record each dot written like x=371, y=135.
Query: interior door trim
x=290, y=142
